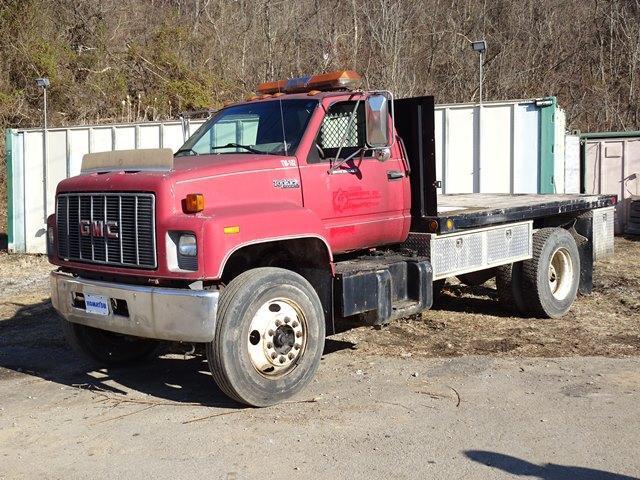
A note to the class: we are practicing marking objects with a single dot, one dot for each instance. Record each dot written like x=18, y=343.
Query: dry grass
x=22, y=275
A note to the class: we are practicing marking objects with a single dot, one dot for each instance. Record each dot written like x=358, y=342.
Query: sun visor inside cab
x=144, y=159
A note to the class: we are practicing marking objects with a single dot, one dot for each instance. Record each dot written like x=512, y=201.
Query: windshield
x=262, y=127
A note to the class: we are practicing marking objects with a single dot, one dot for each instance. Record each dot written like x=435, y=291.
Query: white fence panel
x=497, y=149
x=526, y=148
x=493, y=150
x=572, y=164
x=66, y=147
x=458, y=137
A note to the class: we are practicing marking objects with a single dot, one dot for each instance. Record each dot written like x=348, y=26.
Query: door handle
x=394, y=175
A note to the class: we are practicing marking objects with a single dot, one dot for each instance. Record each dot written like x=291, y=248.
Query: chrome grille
x=107, y=228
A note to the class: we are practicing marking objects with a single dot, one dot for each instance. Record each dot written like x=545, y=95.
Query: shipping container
x=612, y=166
x=514, y=146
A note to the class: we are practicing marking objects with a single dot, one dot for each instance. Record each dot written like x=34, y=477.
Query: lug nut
x=290, y=355
x=278, y=323
x=296, y=346
x=271, y=332
x=282, y=359
x=294, y=324
x=269, y=345
x=298, y=334
x=287, y=319
x=274, y=355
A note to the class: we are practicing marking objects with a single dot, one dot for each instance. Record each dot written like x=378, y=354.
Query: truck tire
x=107, y=348
x=269, y=337
x=552, y=276
x=438, y=286
x=509, y=287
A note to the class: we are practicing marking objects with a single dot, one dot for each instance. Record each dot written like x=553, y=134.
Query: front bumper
x=152, y=312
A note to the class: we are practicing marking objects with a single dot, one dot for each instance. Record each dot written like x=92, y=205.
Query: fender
x=252, y=224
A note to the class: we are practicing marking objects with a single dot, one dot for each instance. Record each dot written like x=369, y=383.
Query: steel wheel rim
x=560, y=274
x=277, y=337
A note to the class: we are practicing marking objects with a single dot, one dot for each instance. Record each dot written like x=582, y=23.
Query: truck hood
x=196, y=167
x=185, y=169
x=227, y=179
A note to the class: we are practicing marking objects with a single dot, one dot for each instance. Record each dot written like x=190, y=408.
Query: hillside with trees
x=135, y=60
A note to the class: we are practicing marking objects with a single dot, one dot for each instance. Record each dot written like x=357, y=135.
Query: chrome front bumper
x=153, y=312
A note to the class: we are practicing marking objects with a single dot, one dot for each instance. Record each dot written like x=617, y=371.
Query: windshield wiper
x=237, y=145
x=190, y=151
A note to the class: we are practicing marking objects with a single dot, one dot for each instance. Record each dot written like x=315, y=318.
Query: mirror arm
x=345, y=160
x=405, y=158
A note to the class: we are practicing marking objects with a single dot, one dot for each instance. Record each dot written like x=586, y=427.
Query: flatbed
x=474, y=210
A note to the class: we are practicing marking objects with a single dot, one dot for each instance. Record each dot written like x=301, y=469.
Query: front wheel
x=269, y=337
x=107, y=348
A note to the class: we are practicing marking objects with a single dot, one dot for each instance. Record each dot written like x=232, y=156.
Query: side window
x=336, y=130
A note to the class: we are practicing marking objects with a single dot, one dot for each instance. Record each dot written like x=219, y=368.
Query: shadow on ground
x=481, y=299
x=548, y=471
x=31, y=342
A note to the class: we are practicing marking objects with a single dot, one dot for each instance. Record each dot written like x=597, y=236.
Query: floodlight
x=479, y=46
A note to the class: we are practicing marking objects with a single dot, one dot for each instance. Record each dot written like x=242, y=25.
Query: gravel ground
x=463, y=391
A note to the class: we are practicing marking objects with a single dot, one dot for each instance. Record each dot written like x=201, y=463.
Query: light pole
x=479, y=46
x=44, y=84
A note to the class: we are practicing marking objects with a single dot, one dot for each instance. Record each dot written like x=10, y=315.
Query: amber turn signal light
x=194, y=203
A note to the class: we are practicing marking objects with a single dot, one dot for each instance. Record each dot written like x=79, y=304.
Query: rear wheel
x=107, y=348
x=552, y=276
x=269, y=336
x=509, y=287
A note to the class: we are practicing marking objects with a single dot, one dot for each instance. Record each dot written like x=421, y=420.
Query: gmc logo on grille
x=99, y=229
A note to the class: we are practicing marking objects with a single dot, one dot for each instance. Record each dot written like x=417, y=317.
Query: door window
x=337, y=130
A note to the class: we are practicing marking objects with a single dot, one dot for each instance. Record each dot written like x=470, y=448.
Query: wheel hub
x=277, y=337
x=284, y=339
x=560, y=273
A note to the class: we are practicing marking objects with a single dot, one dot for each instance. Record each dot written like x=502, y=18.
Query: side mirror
x=377, y=119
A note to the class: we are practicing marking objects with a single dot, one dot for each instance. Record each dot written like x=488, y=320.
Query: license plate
x=97, y=304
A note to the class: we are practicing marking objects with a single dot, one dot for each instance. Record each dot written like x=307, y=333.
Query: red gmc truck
x=283, y=214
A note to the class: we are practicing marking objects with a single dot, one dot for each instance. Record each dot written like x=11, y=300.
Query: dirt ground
x=463, y=391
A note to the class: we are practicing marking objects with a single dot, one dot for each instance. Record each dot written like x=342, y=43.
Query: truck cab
x=281, y=214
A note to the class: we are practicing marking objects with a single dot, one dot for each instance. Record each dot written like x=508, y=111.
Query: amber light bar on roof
x=341, y=79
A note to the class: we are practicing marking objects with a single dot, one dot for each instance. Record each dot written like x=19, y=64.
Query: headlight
x=50, y=241
x=187, y=245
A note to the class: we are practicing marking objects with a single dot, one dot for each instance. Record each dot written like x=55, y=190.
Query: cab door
x=364, y=202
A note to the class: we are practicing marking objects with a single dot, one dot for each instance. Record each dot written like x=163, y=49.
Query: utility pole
x=44, y=84
x=479, y=46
